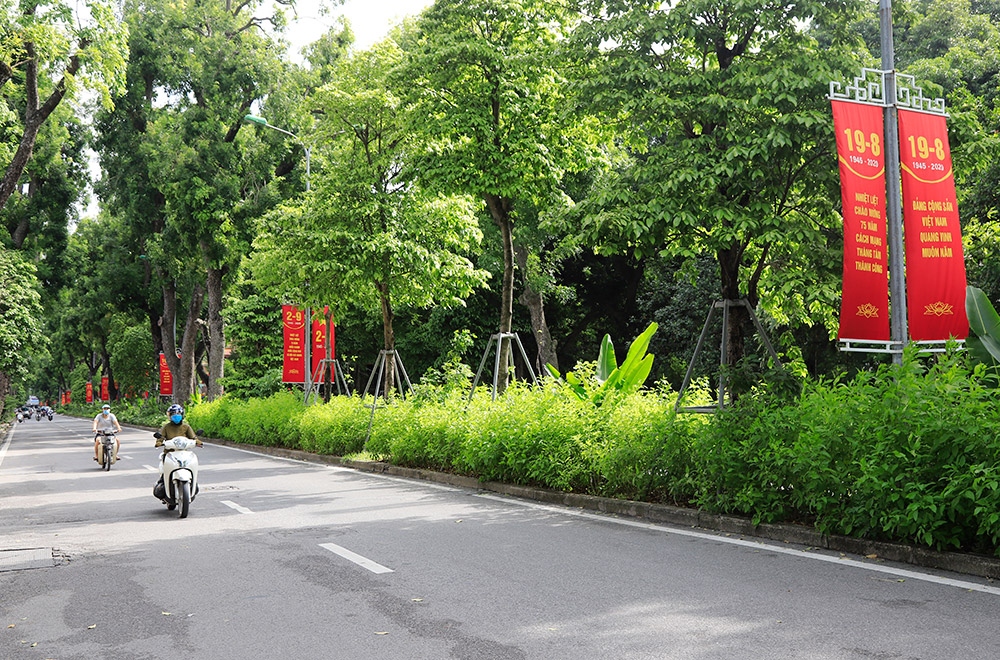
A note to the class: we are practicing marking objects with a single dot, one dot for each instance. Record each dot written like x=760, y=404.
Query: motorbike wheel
x=184, y=496
x=107, y=459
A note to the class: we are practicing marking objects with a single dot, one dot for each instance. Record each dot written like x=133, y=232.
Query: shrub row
x=908, y=453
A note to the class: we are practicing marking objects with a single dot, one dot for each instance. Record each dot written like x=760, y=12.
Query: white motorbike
x=20, y=417
x=178, y=483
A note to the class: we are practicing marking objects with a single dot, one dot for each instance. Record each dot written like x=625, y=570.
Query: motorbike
x=20, y=417
x=178, y=483
x=106, y=450
x=49, y=413
x=38, y=416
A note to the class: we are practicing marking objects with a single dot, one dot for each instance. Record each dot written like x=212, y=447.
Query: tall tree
x=50, y=50
x=368, y=235
x=722, y=108
x=486, y=84
x=20, y=318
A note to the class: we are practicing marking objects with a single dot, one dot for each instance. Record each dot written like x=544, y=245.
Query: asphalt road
x=282, y=559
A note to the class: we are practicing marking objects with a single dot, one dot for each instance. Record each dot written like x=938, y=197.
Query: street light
x=254, y=119
x=307, y=377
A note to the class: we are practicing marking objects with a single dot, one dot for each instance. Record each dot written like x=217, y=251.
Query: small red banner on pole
x=935, y=265
x=90, y=392
x=293, y=324
x=105, y=396
x=318, y=349
x=166, y=378
x=864, y=309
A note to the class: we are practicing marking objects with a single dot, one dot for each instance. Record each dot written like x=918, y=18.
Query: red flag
x=105, y=396
x=166, y=378
x=935, y=265
x=293, y=323
x=90, y=392
x=864, y=309
x=318, y=348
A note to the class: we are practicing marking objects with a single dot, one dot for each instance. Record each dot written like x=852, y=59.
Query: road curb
x=968, y=564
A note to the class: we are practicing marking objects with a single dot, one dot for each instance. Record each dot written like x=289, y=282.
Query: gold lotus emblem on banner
x=938, y=309
x=868, y=310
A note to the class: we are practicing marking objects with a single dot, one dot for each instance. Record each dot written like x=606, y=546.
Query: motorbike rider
x=106, y=421
x=176, y=427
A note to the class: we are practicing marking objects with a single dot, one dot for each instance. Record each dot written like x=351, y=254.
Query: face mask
x=176, y=419
x=105, y=412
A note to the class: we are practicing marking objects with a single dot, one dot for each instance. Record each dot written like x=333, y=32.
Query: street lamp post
x=307, y=376
x=254, y=119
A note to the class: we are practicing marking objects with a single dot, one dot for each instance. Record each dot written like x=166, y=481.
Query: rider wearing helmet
x=106, y=421
x=176, y=426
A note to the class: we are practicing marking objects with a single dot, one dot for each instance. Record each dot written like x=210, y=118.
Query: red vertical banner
x=864, y=307
x=105, y=396
x=166, y=378
x=318, y=348
x=90, y=392
x=69, y=397
x=293, y=324
x=935, y=265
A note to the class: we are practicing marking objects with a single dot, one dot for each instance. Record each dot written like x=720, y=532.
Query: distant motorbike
x=20, y=417
x=38, y=415
x=50, y=415
x=178, y=483
x=106, y=450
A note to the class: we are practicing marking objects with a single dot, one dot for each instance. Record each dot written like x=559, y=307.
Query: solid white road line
x=759, y=545
x=236, y=507
x=356, y=558
x=151, y=468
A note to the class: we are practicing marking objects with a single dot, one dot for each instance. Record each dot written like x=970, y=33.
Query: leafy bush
x=906, y=453
x=338, y=427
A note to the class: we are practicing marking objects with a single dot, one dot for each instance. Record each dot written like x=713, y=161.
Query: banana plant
x=610, y=376
x=984, y=322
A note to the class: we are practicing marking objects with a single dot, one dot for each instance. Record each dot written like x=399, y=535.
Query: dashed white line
x=364, y=562
x=236, y=507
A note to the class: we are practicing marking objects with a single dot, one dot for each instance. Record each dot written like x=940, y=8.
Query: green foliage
x=273, y=421
x=20, y=317
x=984, y=322
x=131, y=351
x=338, y=427
x=609, y=376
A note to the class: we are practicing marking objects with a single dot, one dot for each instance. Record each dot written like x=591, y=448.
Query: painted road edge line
x=759, y=545
x=237, y=507
x=364, y=562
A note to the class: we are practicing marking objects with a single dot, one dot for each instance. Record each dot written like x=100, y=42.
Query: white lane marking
x=3, y=450
x=236, y=507
x=364, y=562
x=759, y=545
x=151, y=468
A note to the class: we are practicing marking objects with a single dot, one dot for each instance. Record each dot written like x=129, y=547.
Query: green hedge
x=907, y=453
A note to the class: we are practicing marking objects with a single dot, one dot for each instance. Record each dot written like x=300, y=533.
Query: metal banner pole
x=894, y=222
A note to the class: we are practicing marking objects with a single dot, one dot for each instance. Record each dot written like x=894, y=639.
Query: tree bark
x=500, y=211
x=535, y=303
x=182, y=368
x=388, y=339
x=216, y=333
x=35, y=115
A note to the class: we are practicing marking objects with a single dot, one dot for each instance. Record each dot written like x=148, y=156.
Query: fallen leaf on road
x=165, y=613
x=91, y=627
x=871, y=556
x=381, y=633
x=11, y=625
x=415, y=600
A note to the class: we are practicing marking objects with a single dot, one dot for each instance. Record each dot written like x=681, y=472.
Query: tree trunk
x=182, y=368
x=500, y=210
x=729, y=270
x=536, y=307
x=388, y=339
x=35, y=115
x=216, y=333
